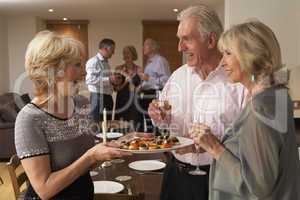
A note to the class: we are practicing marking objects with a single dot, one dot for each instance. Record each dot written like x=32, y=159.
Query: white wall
x=20, y=31
x=122, y=32
x=283, y=17
x=4, y=79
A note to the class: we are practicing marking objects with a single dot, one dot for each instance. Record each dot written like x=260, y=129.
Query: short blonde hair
x=132, y=50
x=207, y=19
x=255, y=46
x=46, y=57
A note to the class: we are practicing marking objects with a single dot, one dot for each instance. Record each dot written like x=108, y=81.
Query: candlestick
x=104, y=126
x=104, y=132
x=104, y=115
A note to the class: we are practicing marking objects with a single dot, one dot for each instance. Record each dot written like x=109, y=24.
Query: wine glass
x=197, y=171
x=104, y=131
x=165, y=109
x=126, y=181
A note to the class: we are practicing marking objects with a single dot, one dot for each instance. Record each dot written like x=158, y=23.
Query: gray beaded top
x=64, y=140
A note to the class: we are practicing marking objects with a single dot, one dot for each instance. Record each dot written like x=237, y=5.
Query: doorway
x=164, y=32
x=77, y=29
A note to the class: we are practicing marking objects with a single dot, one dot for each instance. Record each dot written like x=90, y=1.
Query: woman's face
x=68, y=84
x=232, y=66
x=127, y=56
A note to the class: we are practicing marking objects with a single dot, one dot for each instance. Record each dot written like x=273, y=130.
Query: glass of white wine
x=197, y=171
x=165, y=110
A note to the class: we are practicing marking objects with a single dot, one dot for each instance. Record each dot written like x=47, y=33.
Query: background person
x=99, y=80
x=257, y=158
x=155, y=76
x=125, y=103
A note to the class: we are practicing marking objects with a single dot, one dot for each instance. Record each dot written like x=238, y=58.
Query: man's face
x=109, y=51
x=147, y=48
x=194, y=47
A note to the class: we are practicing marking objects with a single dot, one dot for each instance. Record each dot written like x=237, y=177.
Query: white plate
x=107, y=187
x=147, y=165
x=110, y=135
x=183, y=142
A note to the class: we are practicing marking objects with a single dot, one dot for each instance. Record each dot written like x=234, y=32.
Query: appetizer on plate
x=158, y=142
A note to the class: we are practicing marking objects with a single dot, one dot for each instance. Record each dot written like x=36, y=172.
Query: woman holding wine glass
x=204, y=118
x=257, y=157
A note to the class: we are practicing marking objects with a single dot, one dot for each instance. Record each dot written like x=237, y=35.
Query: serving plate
x=183, y=142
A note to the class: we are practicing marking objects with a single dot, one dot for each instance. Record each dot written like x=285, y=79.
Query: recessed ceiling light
x=65, y=19
x=51, y=10
x=175, y=10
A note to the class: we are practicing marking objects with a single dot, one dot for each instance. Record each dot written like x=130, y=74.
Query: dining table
x=146, y=183
x=142, y=182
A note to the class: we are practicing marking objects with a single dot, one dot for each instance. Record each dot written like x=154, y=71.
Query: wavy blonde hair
x=46, y=57
x=255, y=46
x=132, y=50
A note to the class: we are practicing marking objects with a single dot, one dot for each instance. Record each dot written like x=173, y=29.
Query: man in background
x=99, y=80
x=155, y=76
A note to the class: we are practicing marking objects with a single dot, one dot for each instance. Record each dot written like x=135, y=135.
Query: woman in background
x=52, y=134
x=125, y=104
x=257, y=158
x=129, y=69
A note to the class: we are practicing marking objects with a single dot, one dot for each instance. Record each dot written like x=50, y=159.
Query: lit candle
x=104, y=115
x=104, y=126
x=104, y=132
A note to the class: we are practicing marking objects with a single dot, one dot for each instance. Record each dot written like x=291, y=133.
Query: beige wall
x=4, y=80
x=20, y=31
x=220, y=10
x=122, y=32
x=283, y=17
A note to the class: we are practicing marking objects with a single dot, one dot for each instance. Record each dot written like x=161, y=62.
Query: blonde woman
x=257, y=157
x=129, y=68
x=52, y=133
x=129, y=73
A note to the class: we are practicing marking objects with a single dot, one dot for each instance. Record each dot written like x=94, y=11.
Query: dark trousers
x=125, y=107
x=145, y=98
x=98, y=103
x=178, y=184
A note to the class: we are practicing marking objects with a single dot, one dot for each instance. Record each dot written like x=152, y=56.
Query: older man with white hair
x=198, y=91
x=155, y=76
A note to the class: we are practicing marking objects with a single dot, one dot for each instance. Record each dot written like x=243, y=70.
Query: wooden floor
x=6, y=191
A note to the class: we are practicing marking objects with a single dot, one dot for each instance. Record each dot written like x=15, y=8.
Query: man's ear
x=212, y=40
